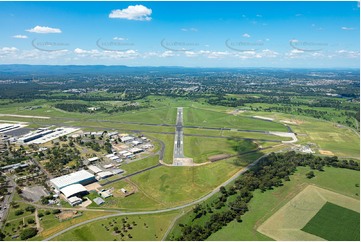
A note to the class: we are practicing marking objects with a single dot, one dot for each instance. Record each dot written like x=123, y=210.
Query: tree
x=19, y=212
x=116, y=229
x=31, y=221
x=310, y=174
x=30, y=209
x=28, y=233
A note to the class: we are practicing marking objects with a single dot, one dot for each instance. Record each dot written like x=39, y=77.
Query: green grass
x=140, y=164
x=335, y=223
x=148, y=228
x=168, y=140
x=200, y=148
x=207, y=118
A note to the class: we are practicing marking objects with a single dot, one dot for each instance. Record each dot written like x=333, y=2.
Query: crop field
x=265, y=204
x=287, y=222
x=142, y=227
x=333, y=222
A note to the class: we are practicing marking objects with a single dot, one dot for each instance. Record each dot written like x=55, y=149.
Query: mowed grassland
x=140, y=164
x=165, y=187
x=333, y=222
x=207, y=118
x=144, y=227
x=340, y=140
x=264, y=205
x=200, y=148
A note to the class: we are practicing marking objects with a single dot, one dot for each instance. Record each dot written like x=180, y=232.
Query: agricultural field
x=264, y=205
x=333, y=222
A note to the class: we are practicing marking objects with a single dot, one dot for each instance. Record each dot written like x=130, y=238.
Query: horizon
x=159, y=34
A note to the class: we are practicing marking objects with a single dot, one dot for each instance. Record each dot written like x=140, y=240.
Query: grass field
x=144, y=227
x=200, y=148
x=202, y=117
x=335, y=223
x=140, y=164
x=263, y=205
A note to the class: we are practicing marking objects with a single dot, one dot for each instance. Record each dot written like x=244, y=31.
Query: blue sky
x=194, y=34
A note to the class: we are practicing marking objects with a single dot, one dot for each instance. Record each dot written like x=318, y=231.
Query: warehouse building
x=80, y=177
x=74, y=190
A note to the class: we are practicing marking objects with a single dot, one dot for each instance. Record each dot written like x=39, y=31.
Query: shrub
x=28, y=233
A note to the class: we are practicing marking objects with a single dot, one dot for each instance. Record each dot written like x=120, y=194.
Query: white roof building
x=127, y=138
x=74, y=201
x=108, y=166
x=72, y=190
x=82, y=177
x=136, y=150
x=93, y=159
x=104, y=174
x=94, y=169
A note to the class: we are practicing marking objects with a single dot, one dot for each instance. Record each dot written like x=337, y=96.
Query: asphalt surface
x=5, y=205
x=178, y=143
x=235, y=176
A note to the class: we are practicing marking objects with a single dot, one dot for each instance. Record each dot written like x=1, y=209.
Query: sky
x=190, y=34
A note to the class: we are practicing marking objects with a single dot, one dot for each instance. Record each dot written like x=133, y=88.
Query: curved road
x=235, y=176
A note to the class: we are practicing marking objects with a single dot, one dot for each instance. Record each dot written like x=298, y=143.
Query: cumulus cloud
x=44, y=30
x=246, y=35
x=19, y=36
x=137, y=12
x=347, y=28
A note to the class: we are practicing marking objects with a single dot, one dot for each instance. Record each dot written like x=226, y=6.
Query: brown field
x=218, y=157
x=326, y=152
x=287, y=222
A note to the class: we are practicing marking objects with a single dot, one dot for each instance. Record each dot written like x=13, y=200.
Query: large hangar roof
x=72, y=190
x=72, y=178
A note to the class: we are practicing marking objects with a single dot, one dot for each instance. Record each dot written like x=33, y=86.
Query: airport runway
x=178, y=139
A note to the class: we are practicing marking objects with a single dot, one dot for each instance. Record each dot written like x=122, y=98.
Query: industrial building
x=94, y=169
x=73, y=190
x=82, y=177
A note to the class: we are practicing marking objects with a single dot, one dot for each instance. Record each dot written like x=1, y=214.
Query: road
x=214, y=191
x=7, y=200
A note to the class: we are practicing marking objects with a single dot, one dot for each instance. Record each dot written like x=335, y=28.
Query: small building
x=126, y=139
x=123, y=191
x=136, y=142
x=104, y=174
x=117, y=171
x=108, y=166
x=136, y=150
x=98, y=200
x=73, y=201
x=93, y=159
x=94, y=169
x=105, y=194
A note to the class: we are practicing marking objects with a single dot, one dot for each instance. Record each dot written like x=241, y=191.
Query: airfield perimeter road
x=214, y=191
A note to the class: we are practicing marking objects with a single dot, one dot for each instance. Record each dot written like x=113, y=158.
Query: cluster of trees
x=73, y=107
x=28, y=233
x=269, y=173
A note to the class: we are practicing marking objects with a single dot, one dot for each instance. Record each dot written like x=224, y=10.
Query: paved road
x=7, y=200
x=234, y=177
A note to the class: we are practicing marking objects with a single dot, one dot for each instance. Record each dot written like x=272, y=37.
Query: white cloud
x=259, y=15
x=19, y=36
x=44, y=30
x=119, y=38
x=347, y=28
x=190, y=29
x=348, y=53
x=246, y=35
x=137, y=12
